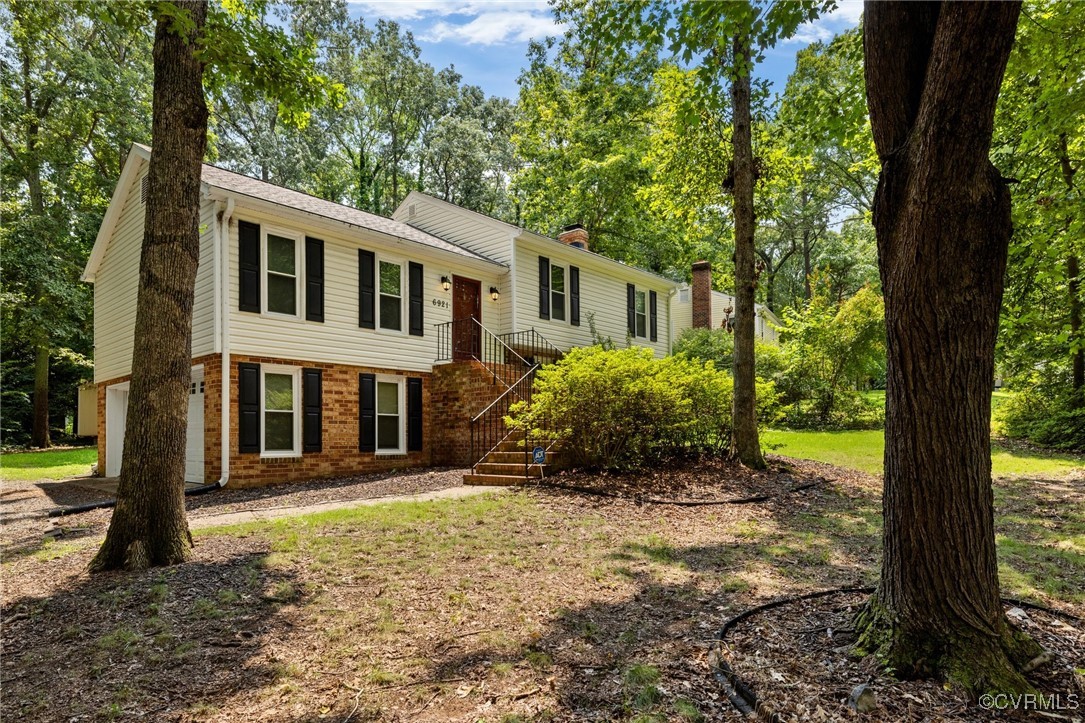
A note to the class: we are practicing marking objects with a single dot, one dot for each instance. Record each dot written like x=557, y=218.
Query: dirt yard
x=534, y=604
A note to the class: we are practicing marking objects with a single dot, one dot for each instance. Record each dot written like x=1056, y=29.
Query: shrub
x=624, y=409
x=1045, y=418
x=718, y=346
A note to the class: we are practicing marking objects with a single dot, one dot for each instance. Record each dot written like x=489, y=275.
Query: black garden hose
x=746, y=701
x=76, y=509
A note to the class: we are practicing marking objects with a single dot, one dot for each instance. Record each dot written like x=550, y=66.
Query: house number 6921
x=441, y=303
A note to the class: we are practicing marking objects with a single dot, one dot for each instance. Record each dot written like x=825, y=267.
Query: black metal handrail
x=488, y=428
x=468, y=340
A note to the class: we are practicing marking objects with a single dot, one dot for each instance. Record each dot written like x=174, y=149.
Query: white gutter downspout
x=224, y=326
x=670, y=320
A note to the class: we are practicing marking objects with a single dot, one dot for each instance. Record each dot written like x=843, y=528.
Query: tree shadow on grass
x=153, y=644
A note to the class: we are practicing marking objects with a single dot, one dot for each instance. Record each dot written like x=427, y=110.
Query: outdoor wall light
x=446, y=283
x=494, y=293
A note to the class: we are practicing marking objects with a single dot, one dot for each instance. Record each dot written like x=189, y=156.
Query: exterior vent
x=683, y=296
x=144, y=184
x=410, y=211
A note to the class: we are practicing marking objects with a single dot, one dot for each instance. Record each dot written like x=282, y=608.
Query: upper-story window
x=557, y=292
x=391, y=295
x=642, y=314
x=282, y=262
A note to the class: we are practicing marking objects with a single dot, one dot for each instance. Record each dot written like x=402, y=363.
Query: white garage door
x=194, y=437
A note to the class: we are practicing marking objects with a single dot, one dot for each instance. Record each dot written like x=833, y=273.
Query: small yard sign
x=538, y=455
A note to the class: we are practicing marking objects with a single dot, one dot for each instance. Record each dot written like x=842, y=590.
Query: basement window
x=279, y=401
x=390, y=416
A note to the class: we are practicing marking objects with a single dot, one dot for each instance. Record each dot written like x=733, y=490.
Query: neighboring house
x=357, y=343
x=715, y=308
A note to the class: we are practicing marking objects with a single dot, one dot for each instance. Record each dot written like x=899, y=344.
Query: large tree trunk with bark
x=942, y=217
x=39, y=432
x=149, y=525
x=744, y=442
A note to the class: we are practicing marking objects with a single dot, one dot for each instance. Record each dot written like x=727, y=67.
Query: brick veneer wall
x=702, y=295
x=459, y=391
x=340, y=456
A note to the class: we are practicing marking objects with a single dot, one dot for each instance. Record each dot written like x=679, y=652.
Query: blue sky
x=487, y=39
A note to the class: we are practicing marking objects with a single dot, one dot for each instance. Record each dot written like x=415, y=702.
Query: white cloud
x=494, y=28
x=470, y=22
x=845, y=16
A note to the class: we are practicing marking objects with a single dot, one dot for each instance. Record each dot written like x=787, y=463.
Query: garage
x=116, y=410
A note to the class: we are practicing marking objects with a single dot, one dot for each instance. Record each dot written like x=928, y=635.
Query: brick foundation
x=459, y=391
x=445, y=425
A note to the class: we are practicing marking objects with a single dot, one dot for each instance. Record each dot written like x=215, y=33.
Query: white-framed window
x=641, y=312
x=390, y=281
x=281, y=255
x=391, y=415
x=557, y=292
x=280, y=411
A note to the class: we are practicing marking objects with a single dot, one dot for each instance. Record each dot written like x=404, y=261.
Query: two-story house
x=329, y=341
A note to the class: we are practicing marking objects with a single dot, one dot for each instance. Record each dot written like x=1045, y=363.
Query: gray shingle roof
x=246, y=186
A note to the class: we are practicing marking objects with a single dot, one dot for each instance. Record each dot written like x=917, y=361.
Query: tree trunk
x=149, y=525
x=942, y=217
x=1073, y=288
x=39, y=435
x=744, y=442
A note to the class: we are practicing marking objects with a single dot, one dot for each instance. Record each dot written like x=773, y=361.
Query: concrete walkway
x=277, y=513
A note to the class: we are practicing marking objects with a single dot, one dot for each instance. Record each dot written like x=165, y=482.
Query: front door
x=466, y=303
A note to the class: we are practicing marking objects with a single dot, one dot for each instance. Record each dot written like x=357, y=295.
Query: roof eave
x=136, y=155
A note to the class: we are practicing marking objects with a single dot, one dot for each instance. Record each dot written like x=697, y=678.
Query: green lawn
x=864, y=451
x=47, y=464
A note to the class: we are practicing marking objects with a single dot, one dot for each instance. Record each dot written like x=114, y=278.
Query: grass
x=864, y=451
x=47, y=464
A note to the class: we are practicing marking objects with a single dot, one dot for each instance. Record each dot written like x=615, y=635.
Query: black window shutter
x=574, y=296
x=631, y=308
x=314, y=279
x=312, y=396
x=367, y=413
x=414, y=299
x=367, y=289
x=414, y=414
x=652, y=316
x=544, y=287
x=248, y=397
x=248, y=266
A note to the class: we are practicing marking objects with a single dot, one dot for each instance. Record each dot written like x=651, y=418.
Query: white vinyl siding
x=116, y=286
x=602, y=294
x=339, y=339
x=486, y=236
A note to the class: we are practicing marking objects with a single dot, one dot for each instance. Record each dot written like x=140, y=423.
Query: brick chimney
x=702, y=295
x=574, y=235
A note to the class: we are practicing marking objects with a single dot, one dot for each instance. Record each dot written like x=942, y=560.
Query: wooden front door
x=466, y=303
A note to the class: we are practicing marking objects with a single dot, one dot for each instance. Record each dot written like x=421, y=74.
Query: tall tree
x=942, y=217
x=74, y=88
x=731, y=38
x=148, y=527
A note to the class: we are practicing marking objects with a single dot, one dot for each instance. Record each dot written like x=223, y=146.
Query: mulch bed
x=795, y=659
x=705, y=480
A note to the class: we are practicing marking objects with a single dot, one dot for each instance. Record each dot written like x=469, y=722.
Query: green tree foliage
x=1040, y=143
x=628, y=410
x=76, y=93
x=401, y=125
x=830, y=350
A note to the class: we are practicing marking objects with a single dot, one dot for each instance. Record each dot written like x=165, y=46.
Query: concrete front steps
x=506, y=466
